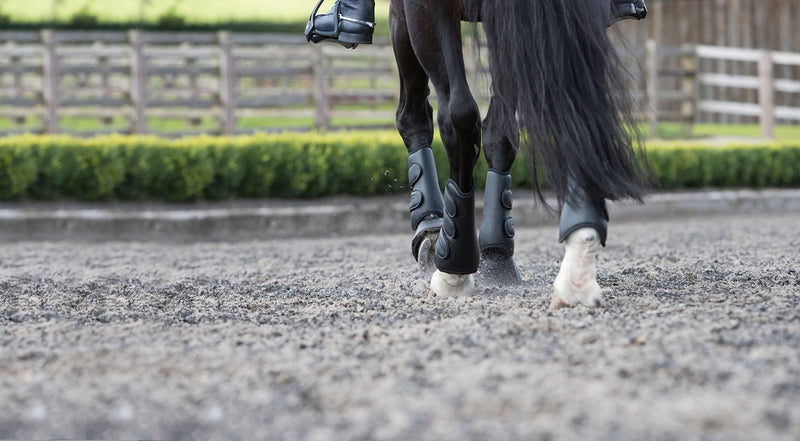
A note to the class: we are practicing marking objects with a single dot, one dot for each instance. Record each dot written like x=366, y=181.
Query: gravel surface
x=333, y=339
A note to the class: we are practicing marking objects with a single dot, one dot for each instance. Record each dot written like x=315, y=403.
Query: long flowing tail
x=573, y=107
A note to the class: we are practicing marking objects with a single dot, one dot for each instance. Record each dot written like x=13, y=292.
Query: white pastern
x=452, y=285
x=576, y=281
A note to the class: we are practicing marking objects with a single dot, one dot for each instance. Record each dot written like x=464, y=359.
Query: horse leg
x=434, y=30
x=500, y=146
x=583, y=228
x=415, y=125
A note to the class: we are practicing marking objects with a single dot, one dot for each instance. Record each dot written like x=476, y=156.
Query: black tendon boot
x=457, y=247
x=497, y=232
x=426, y=204
x=583, y=213
x=627, y=9
x=349, y=23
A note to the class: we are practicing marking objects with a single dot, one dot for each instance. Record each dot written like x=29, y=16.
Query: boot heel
x=351, y=37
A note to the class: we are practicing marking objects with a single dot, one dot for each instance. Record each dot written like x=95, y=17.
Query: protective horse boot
x=349, y=23
x=496, y=238
x=426, y=205
x=627, y=9
x=457, y=247
x=583, y=213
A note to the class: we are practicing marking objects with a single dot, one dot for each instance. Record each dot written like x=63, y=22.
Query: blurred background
x=180, y=67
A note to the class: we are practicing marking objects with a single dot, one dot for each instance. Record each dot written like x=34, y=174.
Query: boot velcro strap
x=355, y=20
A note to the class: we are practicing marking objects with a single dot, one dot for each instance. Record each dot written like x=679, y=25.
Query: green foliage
x=693, y=164
x=17, y=170
x=84, y=18
x=171, y=20
x=292, y=165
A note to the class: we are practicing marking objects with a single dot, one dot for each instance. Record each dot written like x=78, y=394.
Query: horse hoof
x=497, y=270
x=451, y=285
x=426, y=252
x=423, y=244
x=557, y=303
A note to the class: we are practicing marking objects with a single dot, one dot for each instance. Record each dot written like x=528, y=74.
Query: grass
x=705, y=130
x=193, y=11
x=166, y=125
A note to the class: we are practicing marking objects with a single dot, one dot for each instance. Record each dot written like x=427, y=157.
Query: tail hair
x=553, y=61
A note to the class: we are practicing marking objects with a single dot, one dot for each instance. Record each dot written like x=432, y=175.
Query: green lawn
x=194, y=11
x=665, y=130
x=675, y=131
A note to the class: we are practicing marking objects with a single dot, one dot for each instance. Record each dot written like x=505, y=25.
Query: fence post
x=50, y=79
x=766, y=95
x=138, y=81
x=652, y=85
x=227, y=82
x=321, y=106
x=688, y=89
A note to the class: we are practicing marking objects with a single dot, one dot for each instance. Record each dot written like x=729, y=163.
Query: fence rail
x=230, y=83
x=132, y=82
x=701, y=92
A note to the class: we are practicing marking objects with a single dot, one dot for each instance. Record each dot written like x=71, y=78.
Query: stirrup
x=631, y=10
x=347, y=31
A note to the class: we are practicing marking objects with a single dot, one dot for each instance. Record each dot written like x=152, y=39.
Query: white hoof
x=451, y=285
x=576, y=282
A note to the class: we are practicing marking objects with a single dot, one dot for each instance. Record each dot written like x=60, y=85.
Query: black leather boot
x=627, y=9
x=349, y=23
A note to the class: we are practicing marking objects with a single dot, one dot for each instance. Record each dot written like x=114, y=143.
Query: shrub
x=307, y=165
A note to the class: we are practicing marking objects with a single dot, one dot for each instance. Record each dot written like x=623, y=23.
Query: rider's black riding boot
x=349, y=23
x=627, y=9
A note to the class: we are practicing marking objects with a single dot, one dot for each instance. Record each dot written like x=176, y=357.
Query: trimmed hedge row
x=312, y=165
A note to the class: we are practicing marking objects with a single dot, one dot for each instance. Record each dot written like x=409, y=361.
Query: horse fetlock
x=451, y=285
x=576, y=282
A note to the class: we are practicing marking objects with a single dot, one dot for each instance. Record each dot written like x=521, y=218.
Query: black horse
x=556, y=80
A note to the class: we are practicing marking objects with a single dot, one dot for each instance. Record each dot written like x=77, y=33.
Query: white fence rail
x=761, y=83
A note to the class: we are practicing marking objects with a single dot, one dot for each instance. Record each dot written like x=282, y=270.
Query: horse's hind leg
x=500, y=146
x=415, y=125
x=434, y=31
x=582, y=228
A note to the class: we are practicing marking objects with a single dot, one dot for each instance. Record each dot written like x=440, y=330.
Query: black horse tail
x=567, y=83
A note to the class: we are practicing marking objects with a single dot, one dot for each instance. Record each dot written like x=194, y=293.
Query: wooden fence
x=221, y=83
x=229, y=83
x=698, y=93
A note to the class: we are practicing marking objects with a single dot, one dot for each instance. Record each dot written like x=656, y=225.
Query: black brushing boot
x=349, y=23
x=497, y=233
x=458, y=256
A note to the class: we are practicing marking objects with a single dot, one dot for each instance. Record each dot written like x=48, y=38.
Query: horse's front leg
x=427, y=37
x=583, y=227
x=415, y=124
x=457, y=255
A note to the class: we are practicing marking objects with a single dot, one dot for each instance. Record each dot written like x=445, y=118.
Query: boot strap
x=354, y=20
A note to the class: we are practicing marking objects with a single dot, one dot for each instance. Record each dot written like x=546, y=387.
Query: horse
x=558, y=92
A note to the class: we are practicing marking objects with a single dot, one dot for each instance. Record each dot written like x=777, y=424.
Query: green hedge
x=313, y=165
